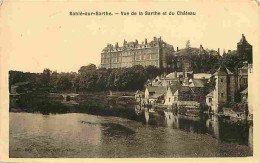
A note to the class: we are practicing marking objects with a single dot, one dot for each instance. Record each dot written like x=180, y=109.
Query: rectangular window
x=221, y=80
x=210, y=99
x=244, y=81
x=222, y=94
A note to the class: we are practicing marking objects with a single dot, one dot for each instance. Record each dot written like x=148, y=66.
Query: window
x=221, y=80
x=244, y=80
x=175, y=98
x=210, y=99
x=222, y=94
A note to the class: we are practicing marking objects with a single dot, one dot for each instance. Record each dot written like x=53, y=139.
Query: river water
x=160, y=135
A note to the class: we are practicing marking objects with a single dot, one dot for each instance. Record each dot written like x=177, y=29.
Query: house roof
x=244, y=91
x=172, y=75
x=156, y=89
x=139, y=92
x=210, y=94
x=176, y=90
x=198, y=83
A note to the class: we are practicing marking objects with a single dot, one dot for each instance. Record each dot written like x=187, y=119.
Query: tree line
x=87, y=79
x=91, y=79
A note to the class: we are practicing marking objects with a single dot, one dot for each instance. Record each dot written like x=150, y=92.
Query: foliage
x=88, y=79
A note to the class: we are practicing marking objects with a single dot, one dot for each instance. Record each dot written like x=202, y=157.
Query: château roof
x=134, y=44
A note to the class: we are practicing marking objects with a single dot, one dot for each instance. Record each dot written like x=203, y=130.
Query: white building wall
x=250, y=89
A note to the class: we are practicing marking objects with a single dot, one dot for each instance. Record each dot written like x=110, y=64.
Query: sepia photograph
x=130, y=79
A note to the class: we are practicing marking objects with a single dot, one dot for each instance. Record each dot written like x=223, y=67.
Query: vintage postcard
x=129, y=79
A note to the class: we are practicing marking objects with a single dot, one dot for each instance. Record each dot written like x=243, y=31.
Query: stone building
x=242, y=76
x=155, y=52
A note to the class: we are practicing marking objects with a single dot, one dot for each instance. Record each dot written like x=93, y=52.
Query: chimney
x=145, y=41
x=136, y=42
x=218, y=51
x=177, y=49
x=116, y=45
x=245, y=64
x=201, y=47
x=154, y=38
x=175, y=74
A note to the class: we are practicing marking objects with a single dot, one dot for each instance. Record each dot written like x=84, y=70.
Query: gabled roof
x=156, y=89
x=244, y=91
x=139, y=92
x=174, y=88
x=210, y=94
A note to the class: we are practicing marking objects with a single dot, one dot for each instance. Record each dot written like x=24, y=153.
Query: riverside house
x=154, y=94
x=179, y=94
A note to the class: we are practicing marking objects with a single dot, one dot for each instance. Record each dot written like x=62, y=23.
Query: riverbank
x=95, y=104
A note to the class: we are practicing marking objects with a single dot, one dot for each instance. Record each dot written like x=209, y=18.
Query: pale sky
x=38, y=35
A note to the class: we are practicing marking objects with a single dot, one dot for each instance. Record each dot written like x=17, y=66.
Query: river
x=80, y=135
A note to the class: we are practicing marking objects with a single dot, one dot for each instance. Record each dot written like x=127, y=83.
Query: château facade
x=155, y=53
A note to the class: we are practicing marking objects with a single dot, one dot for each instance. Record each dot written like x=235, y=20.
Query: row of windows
x=129, y=59
x=127, y=53
x=130, y=64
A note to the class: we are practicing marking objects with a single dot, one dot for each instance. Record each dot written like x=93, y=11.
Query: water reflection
x=220, y=128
